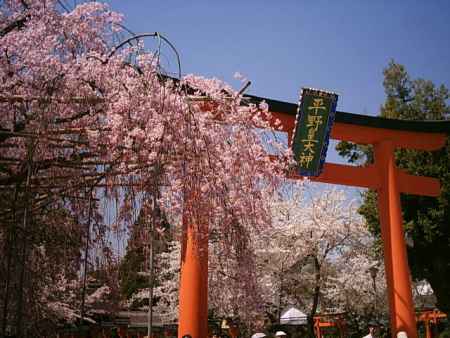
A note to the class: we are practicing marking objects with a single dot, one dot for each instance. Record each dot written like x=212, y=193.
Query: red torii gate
x=385, y=135
x=430, y=317
x=329, y=321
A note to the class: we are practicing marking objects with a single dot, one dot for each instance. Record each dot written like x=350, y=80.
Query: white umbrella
x=293, y=316
x=258, y=335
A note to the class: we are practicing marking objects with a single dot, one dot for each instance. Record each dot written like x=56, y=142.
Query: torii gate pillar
x=193, y=295
x=395, y=257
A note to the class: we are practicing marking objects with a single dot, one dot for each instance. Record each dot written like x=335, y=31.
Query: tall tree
x=426, y=219
x=311, y=240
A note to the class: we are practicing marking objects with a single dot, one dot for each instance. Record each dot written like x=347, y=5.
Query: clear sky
x=283, y=45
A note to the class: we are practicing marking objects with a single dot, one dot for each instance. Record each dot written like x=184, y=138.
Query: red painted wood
x=397, y=270
x=193, y=299
x=370, y=135
x=368, y=177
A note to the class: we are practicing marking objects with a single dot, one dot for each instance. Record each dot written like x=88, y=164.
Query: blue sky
x=283, y=45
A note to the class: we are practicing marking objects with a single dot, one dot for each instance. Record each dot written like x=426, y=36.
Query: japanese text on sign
x=313, y=125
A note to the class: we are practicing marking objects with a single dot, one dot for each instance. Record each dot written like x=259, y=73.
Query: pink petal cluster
x=81, y=119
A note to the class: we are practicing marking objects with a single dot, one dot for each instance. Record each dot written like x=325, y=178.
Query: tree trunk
x=22, y=259
x=316, y=297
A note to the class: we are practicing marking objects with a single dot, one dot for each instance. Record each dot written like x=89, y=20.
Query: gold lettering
x=309, y=146
x=314, y=121
x=306, y=159
x=317, y=105
x=311, y=134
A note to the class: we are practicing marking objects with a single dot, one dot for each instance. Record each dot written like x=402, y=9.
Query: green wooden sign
x=315, y=117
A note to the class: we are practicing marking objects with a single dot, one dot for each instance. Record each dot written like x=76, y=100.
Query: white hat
x=280, y=334
x=402, y=334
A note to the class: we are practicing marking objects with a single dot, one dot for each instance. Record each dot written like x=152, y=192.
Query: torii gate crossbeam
x=385, y=135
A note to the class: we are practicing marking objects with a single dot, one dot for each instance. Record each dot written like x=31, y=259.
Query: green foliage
x=426, y=219
x=134, y=263
x=445, y=334
x=134, y=266
x=130, y=279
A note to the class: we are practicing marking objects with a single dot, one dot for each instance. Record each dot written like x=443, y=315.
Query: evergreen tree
x=135, y=265
x=426, y=219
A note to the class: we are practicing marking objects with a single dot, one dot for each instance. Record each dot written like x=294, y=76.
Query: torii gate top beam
x=361, y=129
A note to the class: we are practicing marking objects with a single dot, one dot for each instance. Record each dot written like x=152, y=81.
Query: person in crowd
x=371, y=332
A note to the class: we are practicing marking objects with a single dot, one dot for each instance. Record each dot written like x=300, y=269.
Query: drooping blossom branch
x=119, y=128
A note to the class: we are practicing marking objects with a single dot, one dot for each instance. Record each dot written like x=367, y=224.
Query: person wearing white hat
x=371, y=332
